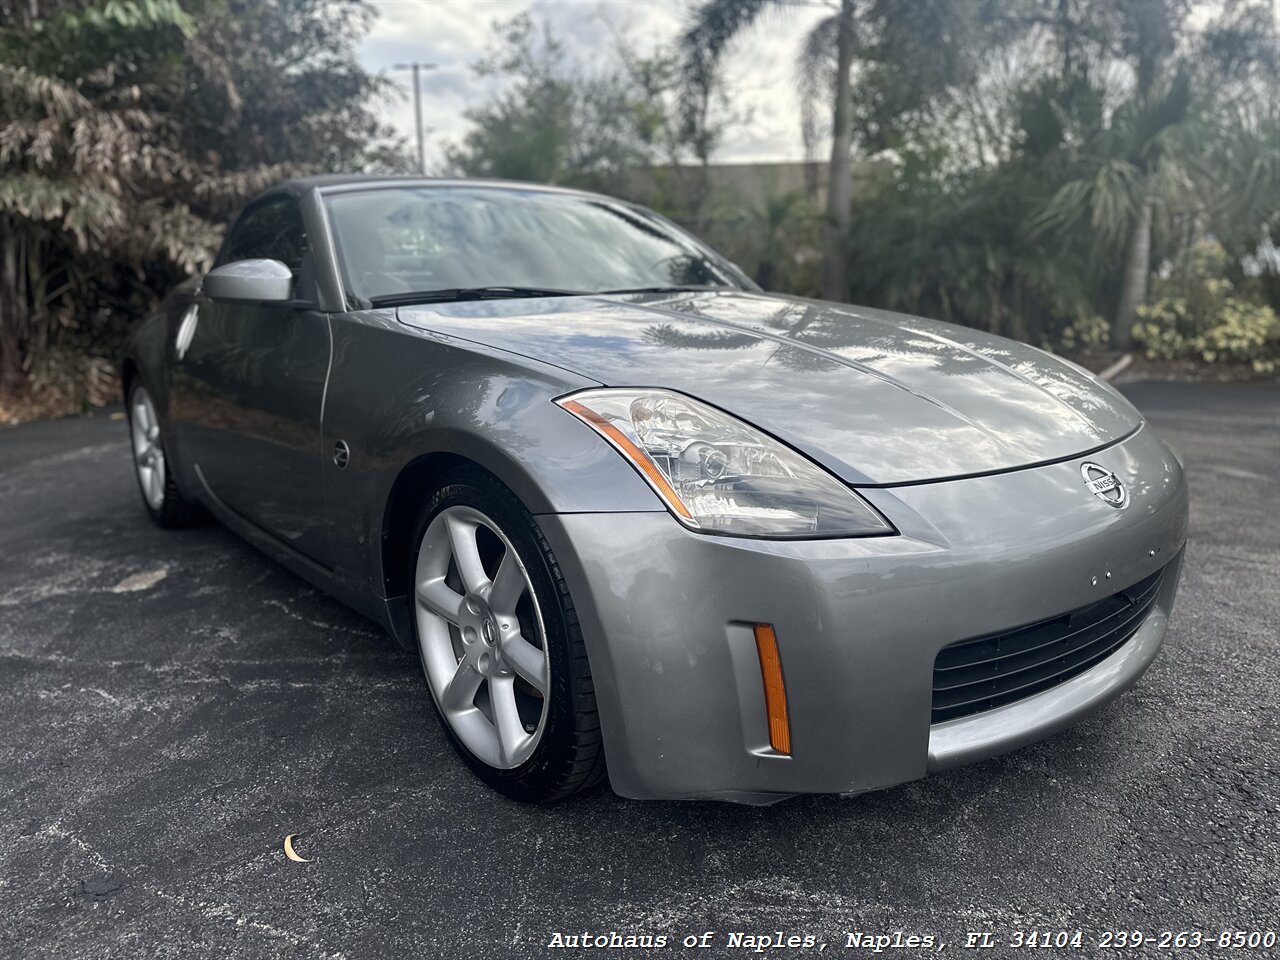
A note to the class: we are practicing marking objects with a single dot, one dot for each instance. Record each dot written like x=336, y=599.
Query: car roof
x=347, y=182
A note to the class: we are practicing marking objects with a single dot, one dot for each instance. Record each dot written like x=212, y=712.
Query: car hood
x=878, y=398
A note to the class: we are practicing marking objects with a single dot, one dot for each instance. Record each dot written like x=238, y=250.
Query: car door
x=249, y=388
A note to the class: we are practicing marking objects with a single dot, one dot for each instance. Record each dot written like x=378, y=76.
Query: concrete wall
x=732, y=185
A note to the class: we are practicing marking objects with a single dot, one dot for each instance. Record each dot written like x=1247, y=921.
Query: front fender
x=144, y=360
x=399, y=399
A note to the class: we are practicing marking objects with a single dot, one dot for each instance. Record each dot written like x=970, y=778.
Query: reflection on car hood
x=876, y=397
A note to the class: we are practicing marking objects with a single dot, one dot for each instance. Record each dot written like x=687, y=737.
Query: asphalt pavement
x=172, y=705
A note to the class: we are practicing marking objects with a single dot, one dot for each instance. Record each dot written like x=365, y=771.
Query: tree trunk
x=835, y=263
x=1066, y=31
x=702, y=148
x=10, y=307
x=1137, y=270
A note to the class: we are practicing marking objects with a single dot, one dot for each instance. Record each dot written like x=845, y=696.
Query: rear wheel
x=160, y=494
x=500, y=645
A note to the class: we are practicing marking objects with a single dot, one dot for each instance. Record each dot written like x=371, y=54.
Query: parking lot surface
x=172, y=705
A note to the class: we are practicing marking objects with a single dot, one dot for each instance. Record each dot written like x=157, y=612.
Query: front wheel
x=160, y=494
x=500, y=644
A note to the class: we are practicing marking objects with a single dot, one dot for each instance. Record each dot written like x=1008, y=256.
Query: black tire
x=174, y=511
x=569, y=758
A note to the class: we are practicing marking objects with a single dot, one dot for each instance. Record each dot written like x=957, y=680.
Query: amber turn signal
x=775, y=691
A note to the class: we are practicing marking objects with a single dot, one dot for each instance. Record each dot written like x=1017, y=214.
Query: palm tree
x=715, y=23
x=1140, y=164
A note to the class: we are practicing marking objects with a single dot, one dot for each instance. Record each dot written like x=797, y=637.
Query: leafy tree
x=70, y=148
x=540, y=129
x=131, y=129
x=558, y=120
x=680, y=132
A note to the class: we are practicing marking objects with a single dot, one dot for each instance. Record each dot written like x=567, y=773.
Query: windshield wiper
x=455, y=294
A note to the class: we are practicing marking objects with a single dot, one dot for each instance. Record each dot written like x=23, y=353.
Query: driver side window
x=271, y=231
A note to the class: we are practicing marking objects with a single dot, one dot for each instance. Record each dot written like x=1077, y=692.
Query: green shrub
x=1198, y=317
x=1088, y=333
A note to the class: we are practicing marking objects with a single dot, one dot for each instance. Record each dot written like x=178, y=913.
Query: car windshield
x=395, y=242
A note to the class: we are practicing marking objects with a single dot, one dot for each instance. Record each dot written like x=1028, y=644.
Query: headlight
x=720, y=475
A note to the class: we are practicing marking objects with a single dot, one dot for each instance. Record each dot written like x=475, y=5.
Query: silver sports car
x=631, y=510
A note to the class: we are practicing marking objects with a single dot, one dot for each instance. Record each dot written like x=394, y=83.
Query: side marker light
x=775, y=691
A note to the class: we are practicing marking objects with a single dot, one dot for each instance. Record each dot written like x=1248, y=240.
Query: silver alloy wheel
x=148, y=454
x=483, y=644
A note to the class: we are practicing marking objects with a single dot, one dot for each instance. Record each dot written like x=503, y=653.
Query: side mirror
x=250, y=281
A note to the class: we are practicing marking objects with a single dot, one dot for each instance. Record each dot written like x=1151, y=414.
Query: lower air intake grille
x=971, y=676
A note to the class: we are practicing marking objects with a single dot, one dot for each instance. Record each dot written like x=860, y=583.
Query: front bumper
x=667, y=614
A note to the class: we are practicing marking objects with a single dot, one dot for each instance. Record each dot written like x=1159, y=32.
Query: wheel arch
x=587, y=476
x=400, y=512
x=415, y=481
x=129, y=374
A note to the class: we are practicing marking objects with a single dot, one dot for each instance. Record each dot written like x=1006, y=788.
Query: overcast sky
x=454, y=33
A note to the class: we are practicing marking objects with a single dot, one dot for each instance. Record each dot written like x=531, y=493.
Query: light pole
x=417, y=66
